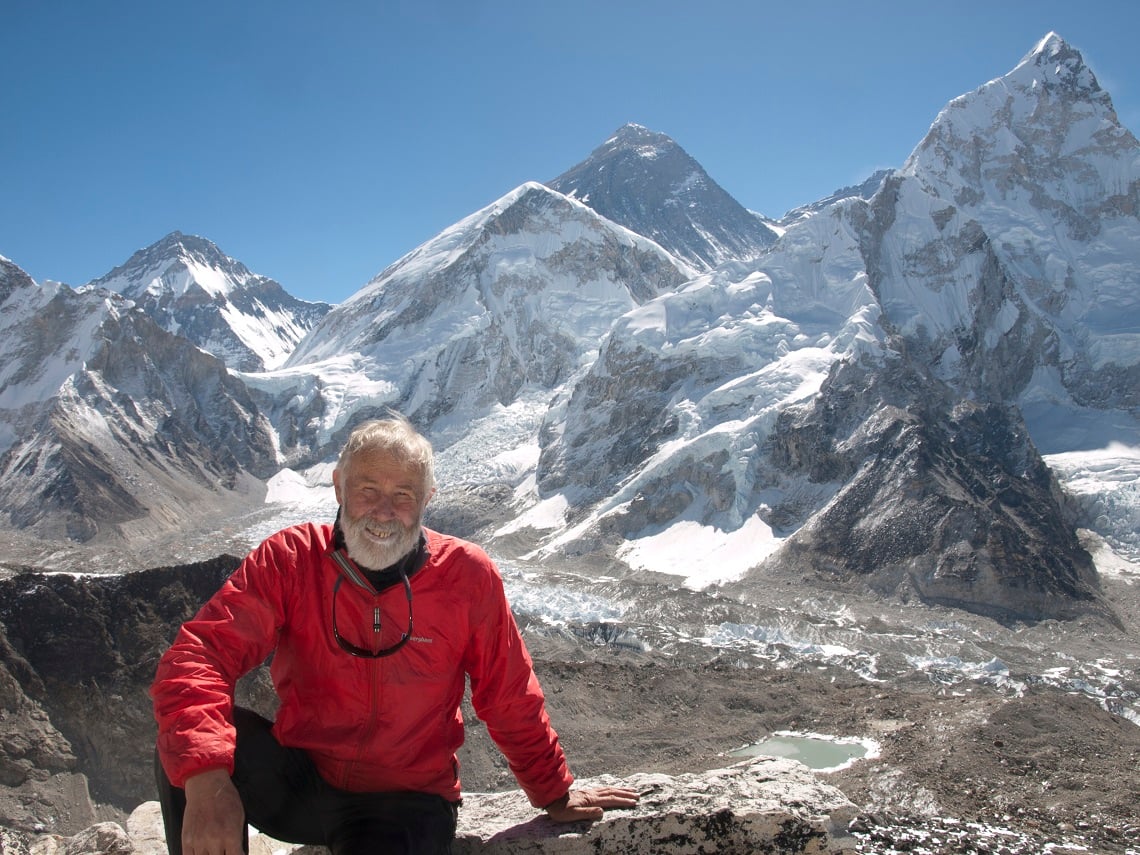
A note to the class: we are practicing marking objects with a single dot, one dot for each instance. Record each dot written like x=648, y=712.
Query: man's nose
x=383, y=507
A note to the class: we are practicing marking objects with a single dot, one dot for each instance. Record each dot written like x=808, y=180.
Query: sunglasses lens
x=363, y=653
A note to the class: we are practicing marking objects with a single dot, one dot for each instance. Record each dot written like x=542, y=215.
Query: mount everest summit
x=650, y=185
x=625, y=367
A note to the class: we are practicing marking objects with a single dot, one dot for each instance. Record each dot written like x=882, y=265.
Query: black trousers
x=284, y=797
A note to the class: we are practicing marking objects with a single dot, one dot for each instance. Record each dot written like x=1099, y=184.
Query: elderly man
x=373, y=622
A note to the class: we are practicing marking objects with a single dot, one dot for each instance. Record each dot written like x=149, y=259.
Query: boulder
x=762, y=804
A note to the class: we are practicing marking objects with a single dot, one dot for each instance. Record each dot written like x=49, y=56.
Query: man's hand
x=588, y=805
x=214, y=822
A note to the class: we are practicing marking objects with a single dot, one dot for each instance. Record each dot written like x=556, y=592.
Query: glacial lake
x=822, y=753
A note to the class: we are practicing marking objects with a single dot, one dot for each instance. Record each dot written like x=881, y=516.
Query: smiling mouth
x=379, y=533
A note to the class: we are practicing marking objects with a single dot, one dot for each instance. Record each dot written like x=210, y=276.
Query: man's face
x=382, y=501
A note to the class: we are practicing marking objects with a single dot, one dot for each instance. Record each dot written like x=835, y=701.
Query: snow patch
x=702, y=555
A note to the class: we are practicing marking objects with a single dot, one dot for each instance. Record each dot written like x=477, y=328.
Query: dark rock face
x=30, y=742
x=649, y=184
x=79, y=654
x=947, y=500
x=12, y=279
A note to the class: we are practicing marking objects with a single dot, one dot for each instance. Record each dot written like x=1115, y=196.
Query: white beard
x=368, y=550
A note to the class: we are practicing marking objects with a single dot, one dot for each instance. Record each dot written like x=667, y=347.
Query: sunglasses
x=363, y=652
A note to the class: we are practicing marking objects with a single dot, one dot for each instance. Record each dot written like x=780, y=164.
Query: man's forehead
x=379, y=463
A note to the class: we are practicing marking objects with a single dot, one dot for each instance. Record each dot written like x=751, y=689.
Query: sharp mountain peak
x=643, y=180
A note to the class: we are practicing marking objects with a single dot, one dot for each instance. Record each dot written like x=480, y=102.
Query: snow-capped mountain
x=1030, y=188
x=846, y=405
x=862, y=401
x=649, y=184
x=515, y=297
x=190, y=287
x=109, y=424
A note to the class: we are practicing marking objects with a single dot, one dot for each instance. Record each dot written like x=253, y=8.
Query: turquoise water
x=814, y=752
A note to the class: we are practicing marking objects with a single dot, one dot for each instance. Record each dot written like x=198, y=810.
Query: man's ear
x=336, y=486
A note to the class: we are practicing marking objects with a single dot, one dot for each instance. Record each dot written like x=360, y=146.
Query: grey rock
x=760, y=805
x=144, y=826
x=54, y=803
x=104, y=838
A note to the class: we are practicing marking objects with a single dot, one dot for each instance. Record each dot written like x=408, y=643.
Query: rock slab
x=761, y=805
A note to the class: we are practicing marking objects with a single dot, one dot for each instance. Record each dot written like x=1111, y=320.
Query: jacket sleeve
x=507, y=697
x=194, y=684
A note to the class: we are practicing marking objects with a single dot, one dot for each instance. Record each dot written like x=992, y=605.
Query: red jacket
x=369, y=724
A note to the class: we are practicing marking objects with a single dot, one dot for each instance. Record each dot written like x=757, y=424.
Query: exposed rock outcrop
x=77, y=655
x=948, y=502
x=763, y=804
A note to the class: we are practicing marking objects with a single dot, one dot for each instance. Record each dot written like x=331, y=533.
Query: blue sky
x=319, y=142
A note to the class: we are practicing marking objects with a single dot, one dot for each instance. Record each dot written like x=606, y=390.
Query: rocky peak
x=1056, y=63
x=646, y=182
x=12, y=279
x=638, y=139
x=170, y=251
x=1021, y=209
x=190, y=287
x=1038, y=138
